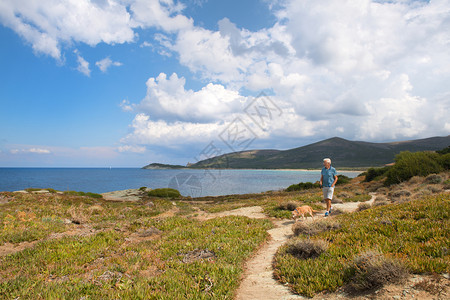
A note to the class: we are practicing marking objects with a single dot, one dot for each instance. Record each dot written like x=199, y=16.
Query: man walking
x=328, y=179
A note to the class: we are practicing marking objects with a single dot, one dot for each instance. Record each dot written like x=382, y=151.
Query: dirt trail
x=258, y=281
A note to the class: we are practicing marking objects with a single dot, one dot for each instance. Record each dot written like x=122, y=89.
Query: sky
x=125, y=83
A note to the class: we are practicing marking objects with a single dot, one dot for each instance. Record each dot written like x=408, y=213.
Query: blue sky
x=124, y=83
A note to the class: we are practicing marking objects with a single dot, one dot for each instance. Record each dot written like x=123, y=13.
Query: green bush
x=302, y=186
x=342, y=179
x=88, y=194
x=164, y=193
x=444, y=151
x=373, y=173
x=409, y=164
x=444, y=161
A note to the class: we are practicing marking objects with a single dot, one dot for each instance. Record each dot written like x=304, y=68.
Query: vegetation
x=164, y=193
x=375, y=173
x=408, y=164
x=302, y=186
x=414, y=233
x=120, y=250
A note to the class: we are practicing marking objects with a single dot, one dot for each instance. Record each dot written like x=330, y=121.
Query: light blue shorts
x=328, y=192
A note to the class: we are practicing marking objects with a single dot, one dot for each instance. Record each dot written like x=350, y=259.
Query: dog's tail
x=315, y=211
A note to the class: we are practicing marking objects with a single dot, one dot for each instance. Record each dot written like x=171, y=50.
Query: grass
x=415, y=233
x=115, y=259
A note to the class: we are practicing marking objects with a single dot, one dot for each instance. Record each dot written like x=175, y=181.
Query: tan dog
x=302, y=211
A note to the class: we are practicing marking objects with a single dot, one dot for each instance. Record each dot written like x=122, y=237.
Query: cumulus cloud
x=105, y=63
x=48, y=24
x=167, y=98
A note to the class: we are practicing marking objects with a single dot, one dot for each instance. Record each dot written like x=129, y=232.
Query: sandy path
x=258, y=281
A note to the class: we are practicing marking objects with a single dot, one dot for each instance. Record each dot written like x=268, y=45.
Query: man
x=328, y=179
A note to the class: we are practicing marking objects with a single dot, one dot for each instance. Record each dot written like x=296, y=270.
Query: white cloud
x=161, y=14
x=30, y=150
x=83, y=65
x=47, y=24
x=126, y=106
x=148, y=132
x=133, y=148
x=168, y=98
x=105, y=63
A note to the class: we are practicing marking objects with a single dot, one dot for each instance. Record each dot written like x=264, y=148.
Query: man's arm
x=321, y=180
x=335, y=180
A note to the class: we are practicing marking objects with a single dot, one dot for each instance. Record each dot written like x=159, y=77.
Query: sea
x=190, y=182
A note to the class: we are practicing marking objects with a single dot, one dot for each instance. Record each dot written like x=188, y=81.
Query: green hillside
x=344, y=153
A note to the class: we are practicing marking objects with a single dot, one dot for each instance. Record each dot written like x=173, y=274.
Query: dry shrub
x=400, y=193
x=416, y=180
x=372, y=270
x=306, y=248
x=434, y=189
x=363, y=206
x=433, y=179
x=344, y=195
x=314, y=228
x=79, y=215
x=381, y=202
x=380, y=198
x=288, y=206
x=337, y=211
x=383, y=190
x=95, y=209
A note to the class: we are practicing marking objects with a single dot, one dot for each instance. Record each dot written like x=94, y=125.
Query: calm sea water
x=194, y=183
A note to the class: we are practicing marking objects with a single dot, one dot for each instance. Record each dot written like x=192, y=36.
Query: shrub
x=444, y=151
x=337, y=212
x=314, y=228
x=363, y=206
x=94, y=195
x=306, y=248
x=374, y=173
x=400, y=193
x=164, y=193
x=433, y=179
x=288, y=206
x=302, y=186
x=409, y=164
x=434, y=189
x=372, y=270
x=416, y=179
x=447, y=184
x=342, y=179
x=444, y=160
x=143, y=188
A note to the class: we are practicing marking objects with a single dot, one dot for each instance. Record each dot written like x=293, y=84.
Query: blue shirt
x=328, y=176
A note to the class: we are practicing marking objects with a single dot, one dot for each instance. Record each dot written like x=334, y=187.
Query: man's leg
x=328, y=201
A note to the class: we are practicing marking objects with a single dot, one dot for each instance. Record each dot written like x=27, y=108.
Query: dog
x=303, y=211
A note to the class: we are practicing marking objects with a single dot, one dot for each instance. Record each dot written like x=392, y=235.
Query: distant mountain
x=156, y=166
x=344, y=154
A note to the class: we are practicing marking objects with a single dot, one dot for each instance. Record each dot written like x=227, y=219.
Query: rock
x=149, y=232
x=198, y=254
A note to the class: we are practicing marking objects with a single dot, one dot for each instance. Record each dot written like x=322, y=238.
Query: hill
x=344, y=154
